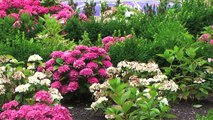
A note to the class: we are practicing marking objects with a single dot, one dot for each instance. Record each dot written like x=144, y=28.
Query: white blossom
x=2, y=89
x=33, y=80
x=109, y=116
x=18, y=75
x=22, y=88
x=31, y=66
x=55, y=94
x=45, y=82
x=34, y=57
x=39, y=75
x=94, y=87
x=2, y=69
x=163, y=100
x=169, y=85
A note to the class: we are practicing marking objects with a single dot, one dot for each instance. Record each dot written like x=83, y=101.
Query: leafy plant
x=191, y=73
x=209, y=116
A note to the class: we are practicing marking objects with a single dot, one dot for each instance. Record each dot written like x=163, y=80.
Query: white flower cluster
x=169, y=85
x=98, y=102
x=198, y=81
x=109, y=116
x=55, y=94
x=39, y=78
x=34, y=58
x=163, y=100
x=2, y=89
x=31, y=66
x=18, y=75
x=2, y=69
x=22, y=88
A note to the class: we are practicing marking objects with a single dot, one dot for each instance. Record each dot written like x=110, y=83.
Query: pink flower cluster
x=109, y=40
x=207, y=37
x=38, y=111
x=14, y=8
x=83, y=63
x=43, y=96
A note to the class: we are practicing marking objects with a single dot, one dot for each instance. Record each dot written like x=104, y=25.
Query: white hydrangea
x=22, y=88
x=34, y=57
x=109, y=116
x=31, y=66
x=18, y=75
x=94, y=87
x=45, y=82
x=146, y=93
x=39, y=75
x=2, y=69
x=98, y=102
x=2, y=89
x=33, y=80
x=55, y=94
x=169, y=85
x=163, y=100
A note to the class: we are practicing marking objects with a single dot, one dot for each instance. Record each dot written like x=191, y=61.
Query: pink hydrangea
x=76, y=53
x=86, y=72
x=56, y=84
x=102, y=72
x=63, y=68
x=50, y=63
x=2, y=14
x=64, y=89
x=107, y=39
x=56, y=76
x=55, y=8
x=73, y=86
x=93, y=80
x=90, y=56
x=83, y=16
x=205, y=37
x=92, y=65
x=79, y=64
x=3, y=6
x=43, y=96
x=56, y=54
x=14, y=15
x=51, y=68
x=107, y=63
x=73, y=75
x=211, y=41
x=40, y=69
x=10, y=105
x=82, y=48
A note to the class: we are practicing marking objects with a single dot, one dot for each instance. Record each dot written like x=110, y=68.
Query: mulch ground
x=184, y=110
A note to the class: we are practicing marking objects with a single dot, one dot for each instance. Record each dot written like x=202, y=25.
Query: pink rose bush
x=83, y=64
x=109, y=40
x=38, y=111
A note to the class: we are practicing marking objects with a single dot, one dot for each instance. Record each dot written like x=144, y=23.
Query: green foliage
x=195, y=14
x=89, y=8
x=209, y=116
x=191, y=73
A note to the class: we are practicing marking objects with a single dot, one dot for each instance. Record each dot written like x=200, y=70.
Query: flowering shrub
x=71, y=69
x=193, y=75
x=109, y=40
x=39, y=111
x=138, y=85
x=24, y=82
x=207, y=35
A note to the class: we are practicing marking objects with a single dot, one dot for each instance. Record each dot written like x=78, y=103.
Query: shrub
x=191, y=73
x=75, y=69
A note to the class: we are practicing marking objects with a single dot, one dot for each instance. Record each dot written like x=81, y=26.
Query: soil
x=184, y=110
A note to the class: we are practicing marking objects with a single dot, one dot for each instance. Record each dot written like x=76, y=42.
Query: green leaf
x=126, y=106
x=171, y=116
x=197, y=106
x=59, y=61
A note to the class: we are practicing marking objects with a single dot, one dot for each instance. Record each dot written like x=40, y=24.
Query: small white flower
x=39, y=75
x=2, y=89
x=55, y=94
x=18, y=75
x=22, y=88
x=109, y=116
x=164, y=100
x=31, y=66
x=34, y=57
x=33, y=80
x=45, y=82
x=2, y=69
x=94, y=87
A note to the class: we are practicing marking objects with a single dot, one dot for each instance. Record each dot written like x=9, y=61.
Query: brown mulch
x=184, y=110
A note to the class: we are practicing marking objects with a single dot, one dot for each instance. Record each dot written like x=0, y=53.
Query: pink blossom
x=79, y=64
x=83, y=16
x=73, y=75
x=43, y=96
x=86, y=72
x=14, y=15
x=10, y=105
x=93, y=80
x=122, y=38
x=50, y=63
x=56, y=84
x=92, y=65
x=90, y=56
x=56, y=76
x=76, y=53
x=63, y=68
x=3, y=6
x=108, y=58
x=51, y=68
x=82, y=48
x=107, y=39
x=73, y=86
x=107, y=63
x=40, y=69
x=102, y=72
x=2, y=14
x=129, y=36
x=56, y=54
x=205, y=37
x=70, y=60
x=64, y=89
x=55, y=8
x=211, y=41
x=17, y=24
